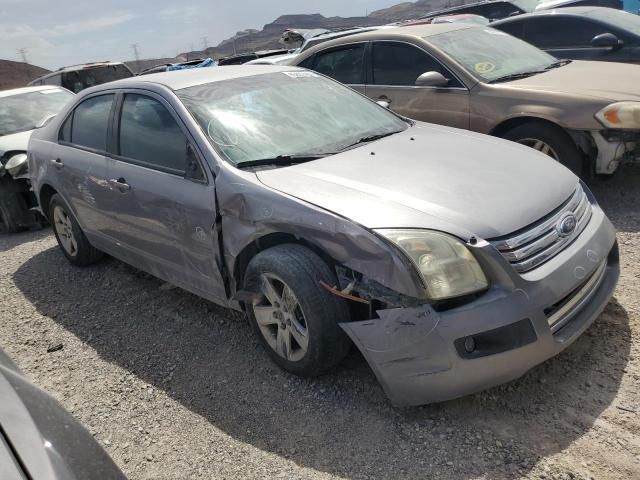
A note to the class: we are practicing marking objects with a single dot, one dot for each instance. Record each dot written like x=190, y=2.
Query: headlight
x=447, y=266
x=620, y=115
x=16, y=164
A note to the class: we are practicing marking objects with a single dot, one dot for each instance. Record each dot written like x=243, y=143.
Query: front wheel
x=71, y=238
x=295, y=317
x=552, y=141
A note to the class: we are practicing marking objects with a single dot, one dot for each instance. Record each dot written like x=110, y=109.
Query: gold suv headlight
x=624, y=115
x=446, y=265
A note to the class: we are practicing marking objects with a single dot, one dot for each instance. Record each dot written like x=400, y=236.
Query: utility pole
x=23, y=55
x=136, y=54
x=205, y=44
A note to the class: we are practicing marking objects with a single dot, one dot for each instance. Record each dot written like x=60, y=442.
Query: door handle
x=57, y=163
x=121, y=184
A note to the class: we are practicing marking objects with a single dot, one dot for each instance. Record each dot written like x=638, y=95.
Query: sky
x=55, y=33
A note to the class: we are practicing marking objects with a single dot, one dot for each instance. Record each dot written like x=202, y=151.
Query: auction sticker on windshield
x=484, y=67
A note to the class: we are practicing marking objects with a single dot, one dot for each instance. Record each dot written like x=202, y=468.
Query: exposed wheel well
x=46, y=192
x=268, y=241
x=582, y=140
x=502, y=128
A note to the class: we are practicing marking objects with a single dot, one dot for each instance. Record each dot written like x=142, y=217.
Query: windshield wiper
x=283, y=160
x=516, y=76
x=559, y=63
x=370, y=138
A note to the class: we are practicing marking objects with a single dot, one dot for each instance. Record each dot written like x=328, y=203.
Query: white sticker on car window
x=300, y=74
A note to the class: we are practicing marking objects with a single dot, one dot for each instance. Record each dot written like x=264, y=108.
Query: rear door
x=570, y=37
x=395, y=67
x=164, y=201
x=79, y=164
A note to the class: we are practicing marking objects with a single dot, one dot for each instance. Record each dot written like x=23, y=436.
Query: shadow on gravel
x=9, y=241
x=207, y=359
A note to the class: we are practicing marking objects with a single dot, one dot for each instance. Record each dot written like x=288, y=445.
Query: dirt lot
x=175, y=387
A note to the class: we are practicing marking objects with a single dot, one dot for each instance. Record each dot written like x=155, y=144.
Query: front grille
x=530, y=247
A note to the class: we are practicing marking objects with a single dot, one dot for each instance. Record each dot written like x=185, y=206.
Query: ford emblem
x=567, y=225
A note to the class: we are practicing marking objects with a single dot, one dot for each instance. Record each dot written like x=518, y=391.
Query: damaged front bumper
x=614, y=147
x=421, y=356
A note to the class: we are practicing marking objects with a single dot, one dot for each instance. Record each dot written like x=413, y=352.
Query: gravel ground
x=175, y=387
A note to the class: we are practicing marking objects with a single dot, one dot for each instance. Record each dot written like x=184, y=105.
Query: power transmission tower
x=23, y=55
x=136, y=55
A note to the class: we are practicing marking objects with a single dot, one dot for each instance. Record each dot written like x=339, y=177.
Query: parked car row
x=583, y=114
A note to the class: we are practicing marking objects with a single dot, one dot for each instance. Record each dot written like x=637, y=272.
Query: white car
x=21, y=111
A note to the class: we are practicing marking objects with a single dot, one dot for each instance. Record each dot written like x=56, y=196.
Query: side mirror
x=606, y=40
x=432, y=79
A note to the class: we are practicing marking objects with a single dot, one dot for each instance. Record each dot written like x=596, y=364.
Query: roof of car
x=197, y=76
x=555, y=11
x=419, y=31
x=18, y=91
x=81, y=66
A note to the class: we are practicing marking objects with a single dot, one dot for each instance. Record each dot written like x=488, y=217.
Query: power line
x=23, y=54
x=136, y=55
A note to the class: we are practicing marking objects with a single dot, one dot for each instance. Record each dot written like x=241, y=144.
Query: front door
x=395, y=67
x=165, y=203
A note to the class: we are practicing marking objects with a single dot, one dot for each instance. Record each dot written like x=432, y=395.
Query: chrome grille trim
x=579, y=298
x=541, y=241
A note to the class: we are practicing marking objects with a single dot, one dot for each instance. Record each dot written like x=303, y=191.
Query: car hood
x=48, y=442
x=606, y=80
x=432, y=177
x=16, y=141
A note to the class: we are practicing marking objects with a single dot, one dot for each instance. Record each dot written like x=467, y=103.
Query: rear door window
x=150, y=135
x=401, y=64
x=562, y=32
x=345, y=64
x=91, y=122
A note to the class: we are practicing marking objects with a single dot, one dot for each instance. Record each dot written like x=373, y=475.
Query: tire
x=562, y=146
x=71, y=238
x=315, y=315
x=13, y=210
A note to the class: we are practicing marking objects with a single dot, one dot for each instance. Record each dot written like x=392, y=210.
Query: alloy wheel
x=541, y=146
x=280, y=319
x=64, y=229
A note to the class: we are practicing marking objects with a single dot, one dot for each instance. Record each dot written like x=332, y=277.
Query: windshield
x=22, y=112
x=489, y=54
x=284, y=114
x=618, y=18
x=77, y=80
